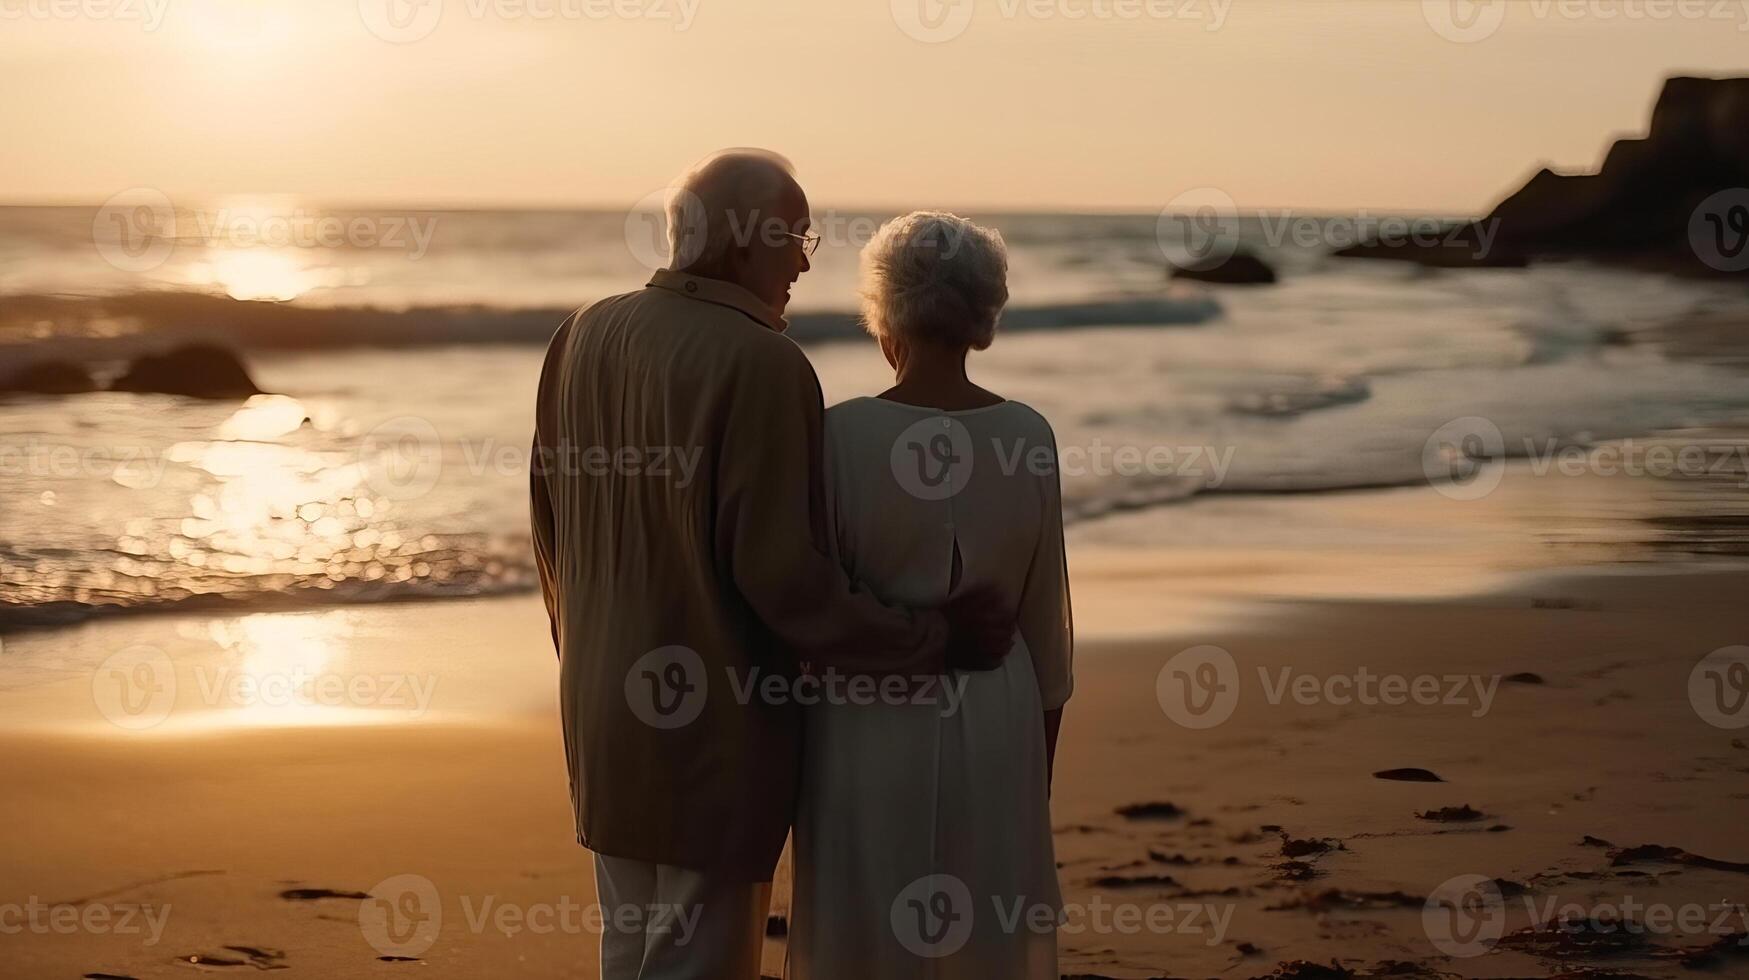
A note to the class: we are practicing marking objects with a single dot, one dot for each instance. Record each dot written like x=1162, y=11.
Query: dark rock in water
x=1400, y=968
x=1307, y=970
x=1578, y=938
x=1297, y=871
x=1291, y=848
x=1472, y=245
x=1408, y=776
x=1643, y=198
x=1239, y=269
x=1676, y=199
x=195, y=370
x=1150, y=811
x=1671, y=855
x=1339, y=899
x=1135, y=881
x=48, y=378
x=1729, y=947
x=318, y=894
x=1451, y=814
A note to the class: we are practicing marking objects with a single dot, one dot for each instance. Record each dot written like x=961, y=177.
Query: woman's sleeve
x=1046, y=620
x=837, y=545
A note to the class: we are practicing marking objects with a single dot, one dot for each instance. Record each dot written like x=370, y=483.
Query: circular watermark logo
x=1718, y=687
x=1465, y=916
x=1464, y=21
x=666, y=688
x=402, y=917
x=1199, y=687
x=932, y=458
x=933, y=21
x=400, y=21
x=647, y=233
x=135, y=688
x=135, y=230
x=1718, y=231
x=932, y=916
x=402, y=457
x=1464, y=459
x=1199, y=229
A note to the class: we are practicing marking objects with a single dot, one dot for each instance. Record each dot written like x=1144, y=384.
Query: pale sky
x=1314, y=104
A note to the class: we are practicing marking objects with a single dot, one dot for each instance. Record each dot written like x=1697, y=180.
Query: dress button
x=691, y=286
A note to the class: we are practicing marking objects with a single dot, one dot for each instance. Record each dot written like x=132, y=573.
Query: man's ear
x=894, y=351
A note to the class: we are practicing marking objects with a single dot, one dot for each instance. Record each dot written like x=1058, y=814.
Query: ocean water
x=404, y=350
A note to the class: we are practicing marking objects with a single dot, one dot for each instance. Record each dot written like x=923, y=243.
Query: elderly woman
x=923, y=837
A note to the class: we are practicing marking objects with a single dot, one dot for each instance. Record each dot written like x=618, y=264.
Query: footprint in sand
x=238, y=957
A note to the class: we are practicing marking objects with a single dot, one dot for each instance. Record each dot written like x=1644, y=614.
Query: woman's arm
x=1046, y=618
x=1046, y=615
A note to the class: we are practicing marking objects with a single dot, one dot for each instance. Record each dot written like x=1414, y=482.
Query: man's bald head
x=719, y=202
x=733, y=216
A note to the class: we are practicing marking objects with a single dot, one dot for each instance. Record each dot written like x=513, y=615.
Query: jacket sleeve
x=772, y=527
x=540, y=504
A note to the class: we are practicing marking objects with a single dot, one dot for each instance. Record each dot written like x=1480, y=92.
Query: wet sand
x=259, y=839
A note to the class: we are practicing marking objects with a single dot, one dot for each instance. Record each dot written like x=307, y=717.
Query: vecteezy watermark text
x=1465, y=458
x=406, y=456
x=1470, y=21
x=934, y=916
x=406, y=21
x=1467, y=916
x=1200, y=228
x=936, y=21
x=668, y=688
x=138, y=688
x=149, y=13
x=935, y=458
x=35, y=917
x=137, y=230
x=404, y=916
x=1200, y=687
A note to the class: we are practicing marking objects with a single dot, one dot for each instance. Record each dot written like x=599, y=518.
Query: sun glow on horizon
x=1331, y=106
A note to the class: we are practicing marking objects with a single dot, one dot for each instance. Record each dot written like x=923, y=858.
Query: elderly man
x=685, y=599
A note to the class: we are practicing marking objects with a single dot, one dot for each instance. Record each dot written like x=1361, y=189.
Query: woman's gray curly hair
x=933, y=277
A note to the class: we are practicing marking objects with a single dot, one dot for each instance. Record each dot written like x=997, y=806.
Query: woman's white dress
x=923, y=839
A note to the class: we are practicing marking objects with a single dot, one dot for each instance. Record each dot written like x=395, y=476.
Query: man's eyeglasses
x=810, y=243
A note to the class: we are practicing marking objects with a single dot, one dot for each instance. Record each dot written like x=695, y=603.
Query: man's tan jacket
x=681, y=541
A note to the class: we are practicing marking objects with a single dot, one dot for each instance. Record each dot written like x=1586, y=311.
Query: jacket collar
x=719, y=292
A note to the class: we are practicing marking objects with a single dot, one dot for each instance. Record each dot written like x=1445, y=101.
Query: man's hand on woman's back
x=980, y=629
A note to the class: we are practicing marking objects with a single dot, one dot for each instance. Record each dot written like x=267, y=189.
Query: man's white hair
x=934, y=277
x=720, y=203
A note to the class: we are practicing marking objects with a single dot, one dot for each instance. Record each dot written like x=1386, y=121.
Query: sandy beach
x=415, y=821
